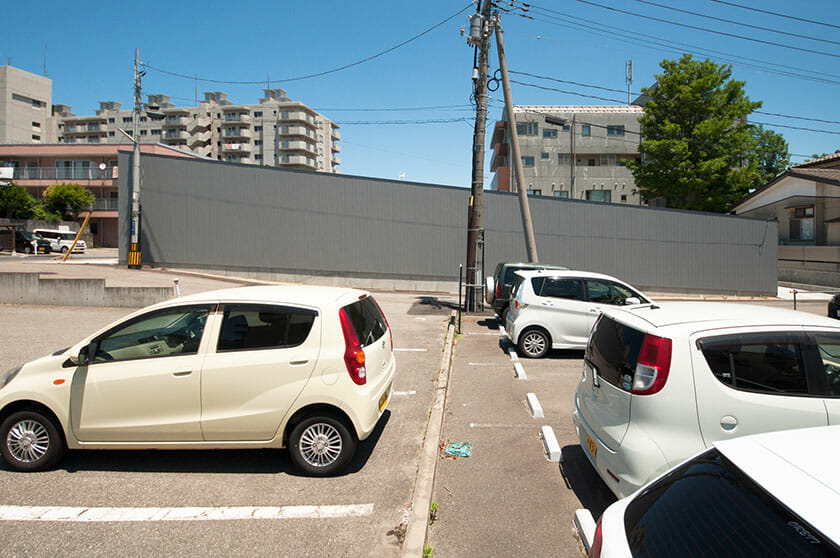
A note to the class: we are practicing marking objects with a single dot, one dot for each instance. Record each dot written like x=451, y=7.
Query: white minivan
x=61, y=240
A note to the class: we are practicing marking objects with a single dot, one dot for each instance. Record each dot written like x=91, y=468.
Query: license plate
x=590, y=445
x=383, y=399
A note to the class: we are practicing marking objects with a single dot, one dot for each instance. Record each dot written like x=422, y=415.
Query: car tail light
x=498, y=289
x=390, y=333
x=597, y=540
x=653, y=365
x=354, y=356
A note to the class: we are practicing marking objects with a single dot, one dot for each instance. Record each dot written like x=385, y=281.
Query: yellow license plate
x=383, y=400
x=590, y=445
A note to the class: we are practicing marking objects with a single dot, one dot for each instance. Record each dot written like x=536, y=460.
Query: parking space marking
x=519, y=371
x=410, y=350
x=489, y=425
x=482, y=333
x=534, y=405
x=89, y=515
x=405, y=393
x=482, y=364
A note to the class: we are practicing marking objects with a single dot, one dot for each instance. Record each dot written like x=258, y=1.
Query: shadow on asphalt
x=207, y=461
x=581, y=477
x=432, y=305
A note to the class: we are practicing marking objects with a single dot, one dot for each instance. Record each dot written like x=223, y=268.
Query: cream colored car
x=307, y=368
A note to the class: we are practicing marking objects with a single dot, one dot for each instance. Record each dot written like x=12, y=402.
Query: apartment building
x=36, y=167
x=277, y=132
x=25, y=107
x=598, y=139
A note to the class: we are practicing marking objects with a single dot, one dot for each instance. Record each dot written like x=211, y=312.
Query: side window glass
x=168, y=332
x=763, y=362
x=261, y=326
x=828, y=347
x=569, y=289
x=537, y=284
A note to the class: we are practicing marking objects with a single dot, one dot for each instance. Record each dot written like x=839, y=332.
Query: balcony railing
x=53, y=173
x=106, y=204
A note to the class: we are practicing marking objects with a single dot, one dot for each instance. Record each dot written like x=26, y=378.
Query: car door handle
x=298, y=362
x=182, y=373
x=594, y=310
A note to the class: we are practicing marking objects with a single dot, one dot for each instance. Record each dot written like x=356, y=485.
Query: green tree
x=770, y=154
x=16, y=203
x=697, y=144
x=67, y=199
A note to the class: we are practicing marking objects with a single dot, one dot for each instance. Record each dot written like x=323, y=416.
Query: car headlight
x=9, y=376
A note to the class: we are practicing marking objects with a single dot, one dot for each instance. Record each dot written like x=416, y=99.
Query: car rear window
x=367, y=320
x=769, y=362
x=262, y=326
x=709, y=507
x=613, y=350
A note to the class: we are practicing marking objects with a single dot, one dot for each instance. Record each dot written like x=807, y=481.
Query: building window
x=527, y=161
x=585, y=130
x=111, y=134
x=561, y=194
x=142, y=119
x=563, y=159
x=534, y=192
x=527, y=128
x=258, y=128
x=155, y=132
x=36, y=137
x=127, y=119
x=624, y=197
x=593, y=162
x=543, y=155
x=258, y=157
x=598, y=195
x=257, y=142
x=257, y=114
x=142, y=132
x=802, y=223
x=111, y=120
x=549, y=133
x=615, y=130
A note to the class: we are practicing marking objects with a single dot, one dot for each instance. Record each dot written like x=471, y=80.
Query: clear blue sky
x=396, y=111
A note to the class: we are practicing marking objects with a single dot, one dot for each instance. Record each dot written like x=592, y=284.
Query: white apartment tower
x=277, y=132
x=25, y=107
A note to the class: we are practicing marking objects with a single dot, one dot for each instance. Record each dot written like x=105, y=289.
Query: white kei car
x=771, y=494
x=555, y=309
x=307, y=368
x=663, y=382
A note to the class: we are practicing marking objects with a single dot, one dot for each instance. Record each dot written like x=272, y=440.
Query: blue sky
x=408, y=111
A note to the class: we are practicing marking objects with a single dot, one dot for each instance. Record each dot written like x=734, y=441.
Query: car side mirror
x=632, y=300
x=83, y=358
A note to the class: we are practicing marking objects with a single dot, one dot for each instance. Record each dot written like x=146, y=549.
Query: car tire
x=503, y=315
x=321, y=445
x=64, y=249
x=534, y=343
x=27, y=250
x=30, y=441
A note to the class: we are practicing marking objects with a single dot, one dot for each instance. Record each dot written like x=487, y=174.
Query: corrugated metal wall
x=213, y=215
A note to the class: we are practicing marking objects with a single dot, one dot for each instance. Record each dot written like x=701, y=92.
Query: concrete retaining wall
x=31, y=288
x=811, y=265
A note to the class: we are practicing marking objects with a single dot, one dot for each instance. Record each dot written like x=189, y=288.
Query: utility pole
x=628, y=77
x=524, y=209
x=134, y=238
x=574, y=158
x=479, y=36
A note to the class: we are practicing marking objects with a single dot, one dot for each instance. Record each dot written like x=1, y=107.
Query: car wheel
x=503, y=315
x=27, y=250
x=321, y=445
x=31, y=441
x=64, y=249
x=534, y=343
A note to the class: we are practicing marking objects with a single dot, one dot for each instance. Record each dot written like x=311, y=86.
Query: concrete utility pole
x=479, y=36
x=134, y=238
x=524, y=209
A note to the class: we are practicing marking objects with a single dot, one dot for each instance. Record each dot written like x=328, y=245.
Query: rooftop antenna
x=45, y=60
x=628, y=77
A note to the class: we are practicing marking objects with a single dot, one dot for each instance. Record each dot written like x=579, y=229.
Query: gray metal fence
x=354, y=230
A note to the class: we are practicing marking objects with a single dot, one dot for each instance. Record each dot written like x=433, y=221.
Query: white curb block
x=519, y=371
x=550, y=444
x=534, y=405
x=585, y=525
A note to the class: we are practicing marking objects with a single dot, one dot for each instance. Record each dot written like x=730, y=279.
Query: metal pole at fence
x=794, y=291
x=460, y=283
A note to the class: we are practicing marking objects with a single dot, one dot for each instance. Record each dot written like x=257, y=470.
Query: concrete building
x=599, y=139
x=25, y=107
x=276, y=132
x=36, y=167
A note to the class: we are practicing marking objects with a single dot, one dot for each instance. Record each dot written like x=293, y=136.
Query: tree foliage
x=698, y=150
x=17, y=203
x=67, y=199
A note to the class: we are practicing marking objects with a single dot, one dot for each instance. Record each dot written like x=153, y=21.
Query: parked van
x=61, y=241
x=23, y=242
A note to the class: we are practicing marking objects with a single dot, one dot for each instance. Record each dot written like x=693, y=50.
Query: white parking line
x=410, y=350
x=488, y=425
x=405, y=393
x=482, y=364
x=482, y=333
x=81, y=514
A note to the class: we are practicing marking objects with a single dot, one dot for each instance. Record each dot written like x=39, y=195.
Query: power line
x=566, y=92
x=697, y=28
x=797, y=117
x=569, y=82
x=616, y=32
x=441, y=107
x=777, y=14
x=318, y=74
x=796, y=128
x=402, y=122
x=732, y=22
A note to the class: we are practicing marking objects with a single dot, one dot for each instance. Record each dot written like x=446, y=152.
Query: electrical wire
x=732, y=22
x=697, y=28
x=777, y=14
x=402, y=122
x=318, y=74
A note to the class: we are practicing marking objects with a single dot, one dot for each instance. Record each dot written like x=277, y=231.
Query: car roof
x=309, y=295
x=531, y=265
x=798, y=468
x=527, y=274
x=700, y=315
